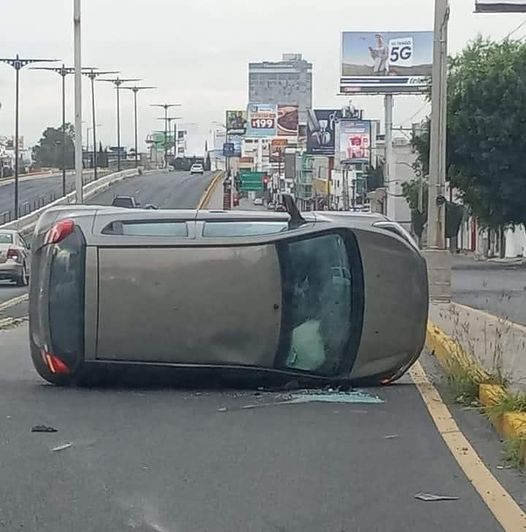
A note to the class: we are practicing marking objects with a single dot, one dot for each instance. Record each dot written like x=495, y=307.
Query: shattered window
x=317, y=299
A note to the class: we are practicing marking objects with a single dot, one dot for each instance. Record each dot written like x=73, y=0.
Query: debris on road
x=390, y=436
x=223, y=409
x=62, y=447
x=430, y=497
x=43, y=428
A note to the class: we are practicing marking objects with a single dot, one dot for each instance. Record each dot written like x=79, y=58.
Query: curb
x=449, y=353
x=203, y=204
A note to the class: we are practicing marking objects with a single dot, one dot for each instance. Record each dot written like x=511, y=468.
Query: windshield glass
x=6, y=238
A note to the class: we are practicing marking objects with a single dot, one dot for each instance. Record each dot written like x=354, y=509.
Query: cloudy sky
x=196, y=53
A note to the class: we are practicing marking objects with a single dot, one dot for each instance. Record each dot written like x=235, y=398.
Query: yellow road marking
x=207, y=195
x=497, y=499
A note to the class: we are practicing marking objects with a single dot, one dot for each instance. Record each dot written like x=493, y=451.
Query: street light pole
x=77, y=27
x=93, y=75
x=166, y=106
x=135, y=91
x=18, y=63
x=118, y=82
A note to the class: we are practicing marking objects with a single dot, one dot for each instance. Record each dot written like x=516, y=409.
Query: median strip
x=205, y=199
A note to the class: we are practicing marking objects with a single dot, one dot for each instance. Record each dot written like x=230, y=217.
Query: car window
x=148, y=229
x=317, y=301
x=239, y=229
x=6, y=238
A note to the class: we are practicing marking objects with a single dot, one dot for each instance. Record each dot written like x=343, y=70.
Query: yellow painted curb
x=203, y=204
x=510, y=425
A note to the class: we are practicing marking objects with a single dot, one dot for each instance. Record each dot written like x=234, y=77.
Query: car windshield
x=262, y=265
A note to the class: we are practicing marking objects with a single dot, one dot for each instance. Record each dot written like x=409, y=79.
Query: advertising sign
x=386, y=62
x=236, y=121
x=355, y=141
x=261, y=120
x=251, y=181
x=321, y=131
x=237, y=141
x=277, y=149
x=500, y=6
x=288, y=120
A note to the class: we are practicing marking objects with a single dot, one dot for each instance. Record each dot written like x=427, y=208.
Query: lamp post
x=166, y=106
x=77, y=28
x=169, y=120
x=118, y=82
x=93, y=75
x=135, y=91
x=18, y=63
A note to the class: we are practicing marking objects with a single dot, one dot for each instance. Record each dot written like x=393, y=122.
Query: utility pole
x=92, y=74
x=166, y=106
x=345, y=188
x=168, y=120
x=77, y=26
x=388, y=165
x=18, y=64
x=439, y=261
x=135, y=91
x=118, y=82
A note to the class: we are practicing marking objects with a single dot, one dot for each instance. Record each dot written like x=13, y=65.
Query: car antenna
x=296, y=219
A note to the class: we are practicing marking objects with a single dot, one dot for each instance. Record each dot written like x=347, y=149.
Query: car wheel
x=23, y=279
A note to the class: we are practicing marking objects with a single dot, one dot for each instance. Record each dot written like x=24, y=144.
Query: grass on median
x=514, y=452
x=464, y=381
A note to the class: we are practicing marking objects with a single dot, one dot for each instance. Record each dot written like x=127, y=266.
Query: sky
x=196, y=52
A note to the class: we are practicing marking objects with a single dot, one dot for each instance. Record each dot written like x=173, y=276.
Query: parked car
x=322, y=297
x=197, y=168
x=271, y=206
x=126, y=202
x=15, y=257
x=258, y=201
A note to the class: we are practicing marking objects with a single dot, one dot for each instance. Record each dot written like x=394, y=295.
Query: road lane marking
x=13, y=302
x=506, y=511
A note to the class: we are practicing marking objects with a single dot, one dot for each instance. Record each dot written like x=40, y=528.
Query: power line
x=414, y=114
x=516, y=29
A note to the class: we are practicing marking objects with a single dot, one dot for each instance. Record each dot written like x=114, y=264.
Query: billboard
x=277, y=149
x=236, y=121
x=288, y=120
x=261, y=120
x=386, y=62
x=321, y=131
x=500, y=6
x=355, y=141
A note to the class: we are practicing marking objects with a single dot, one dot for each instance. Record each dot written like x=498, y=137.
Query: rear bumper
x=10, y=269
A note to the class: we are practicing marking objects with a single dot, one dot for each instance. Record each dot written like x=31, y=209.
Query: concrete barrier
x=25, y=224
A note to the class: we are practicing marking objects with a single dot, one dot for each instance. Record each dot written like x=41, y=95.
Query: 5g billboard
x=500, y=6
x=386, y=62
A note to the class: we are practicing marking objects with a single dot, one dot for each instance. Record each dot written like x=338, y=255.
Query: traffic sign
x=251, y=181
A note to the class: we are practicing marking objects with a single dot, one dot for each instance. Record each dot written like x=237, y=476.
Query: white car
x=258, y=201
x=197, y=168
x=14, y=258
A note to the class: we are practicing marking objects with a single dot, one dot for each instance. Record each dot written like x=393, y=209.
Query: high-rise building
x=288, y=81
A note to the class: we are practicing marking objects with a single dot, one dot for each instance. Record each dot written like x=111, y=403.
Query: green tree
x=49, y=150
x=486, y=134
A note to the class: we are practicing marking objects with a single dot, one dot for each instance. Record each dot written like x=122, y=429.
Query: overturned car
x=328, y=297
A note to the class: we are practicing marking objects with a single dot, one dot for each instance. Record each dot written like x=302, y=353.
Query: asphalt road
x=497, y=288
x=151, y=457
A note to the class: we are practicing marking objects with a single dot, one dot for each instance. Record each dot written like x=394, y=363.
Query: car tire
x=23, y=278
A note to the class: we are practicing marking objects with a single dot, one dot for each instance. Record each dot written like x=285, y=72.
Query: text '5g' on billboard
x=386, y=62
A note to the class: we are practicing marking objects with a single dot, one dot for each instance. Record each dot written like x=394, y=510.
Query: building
x=288, y=81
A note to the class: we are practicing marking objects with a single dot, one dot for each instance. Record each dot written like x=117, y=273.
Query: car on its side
x=15, y=257
x=323, y=297
x=197, y=168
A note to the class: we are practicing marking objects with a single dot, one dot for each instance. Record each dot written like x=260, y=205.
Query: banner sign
x=355, y=141
x=288, y=120
x=262, y=120
x=500, y=6
x=386, y=62
x=277, y=149
x=236, y=121
x=321, y=131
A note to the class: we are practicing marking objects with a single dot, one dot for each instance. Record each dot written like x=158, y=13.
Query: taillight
x=59, y=231
x=14, y=254
x=55, y=364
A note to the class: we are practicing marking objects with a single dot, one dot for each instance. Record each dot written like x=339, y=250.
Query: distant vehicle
x=15, y=258
x=236, y=200
x=126, y=202
x=271, y=206
x=197, y=168
x=319, y=297
x=258, y=201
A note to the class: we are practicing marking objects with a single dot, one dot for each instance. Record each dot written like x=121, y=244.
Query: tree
x=486, y=135
x=49, y=150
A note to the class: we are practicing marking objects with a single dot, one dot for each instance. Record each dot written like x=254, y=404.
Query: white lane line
x=13, y=302
x=506, y=511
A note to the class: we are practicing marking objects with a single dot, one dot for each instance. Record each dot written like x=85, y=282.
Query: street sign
x=251, y=181
x=228, y=149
